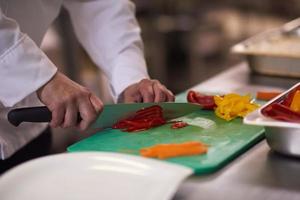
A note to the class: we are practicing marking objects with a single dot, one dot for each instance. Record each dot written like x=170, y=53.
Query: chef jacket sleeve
x=23, y=66
x=109, y=32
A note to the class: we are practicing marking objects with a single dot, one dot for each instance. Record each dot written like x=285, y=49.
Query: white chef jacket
x=107, y=29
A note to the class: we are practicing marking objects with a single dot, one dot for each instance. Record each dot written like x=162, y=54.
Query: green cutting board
x=226, y=140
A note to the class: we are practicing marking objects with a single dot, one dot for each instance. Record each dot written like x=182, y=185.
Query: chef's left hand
x=147, y=91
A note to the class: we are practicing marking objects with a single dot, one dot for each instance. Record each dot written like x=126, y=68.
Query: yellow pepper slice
x=233, y=105
x=295, y=105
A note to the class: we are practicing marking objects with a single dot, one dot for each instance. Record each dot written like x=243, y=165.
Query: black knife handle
x=31, y=114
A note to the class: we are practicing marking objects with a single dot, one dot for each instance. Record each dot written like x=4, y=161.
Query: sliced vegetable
x=288, y=100
x=295, y=105
x=163, y=151
x=266, y=96
x=232, y=105
x=178, y=125
x=281, y=112
x=142, y=120
x=206, y=101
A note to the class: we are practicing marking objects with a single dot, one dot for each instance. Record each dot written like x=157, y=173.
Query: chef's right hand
x=65, y=99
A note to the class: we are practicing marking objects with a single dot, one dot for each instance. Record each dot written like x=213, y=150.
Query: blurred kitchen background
x=186, y=42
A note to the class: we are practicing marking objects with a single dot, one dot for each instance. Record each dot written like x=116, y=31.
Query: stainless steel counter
x=257, y=174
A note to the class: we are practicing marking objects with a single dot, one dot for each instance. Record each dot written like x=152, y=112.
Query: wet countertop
x=257, y=174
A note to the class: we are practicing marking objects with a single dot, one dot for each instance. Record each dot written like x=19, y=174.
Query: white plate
x=89, y=176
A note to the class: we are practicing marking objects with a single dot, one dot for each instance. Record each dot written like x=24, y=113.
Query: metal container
x=282, y=137
x=284, y=140
x=274, y=52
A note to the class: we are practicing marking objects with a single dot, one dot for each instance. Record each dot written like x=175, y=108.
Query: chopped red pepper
x=143, y=119
x=281, y=112
x=179, y=124
x=206, y=101
x=284, y=110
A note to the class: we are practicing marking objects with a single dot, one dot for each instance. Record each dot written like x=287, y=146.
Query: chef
x=108, y=31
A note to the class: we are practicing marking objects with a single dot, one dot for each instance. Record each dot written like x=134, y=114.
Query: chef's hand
x=65, y=98
x=147, y=91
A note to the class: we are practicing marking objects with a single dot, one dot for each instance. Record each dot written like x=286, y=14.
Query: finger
x=170, y=96
x=159, y=93
x=128, y=98
x=146, y=90
x=58, y=114
x=97, y=103
x=136, y=98
x=70, y=116
x=87, y=113
x=132, y=94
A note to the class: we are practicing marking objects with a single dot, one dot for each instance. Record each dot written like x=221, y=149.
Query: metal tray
x=282, y=137
x=275, y=52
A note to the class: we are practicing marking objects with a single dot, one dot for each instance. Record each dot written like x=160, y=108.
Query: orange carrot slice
x=266, y=96
x=163, y=151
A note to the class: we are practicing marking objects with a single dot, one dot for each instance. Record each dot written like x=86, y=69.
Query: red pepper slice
x=191, y=97
x=206, y=101
x=152, y=111
x=148, y=115
x=149, y=109
x=179, y=124
x=134, y=126
x=281, y=112
x=142, y=120
x=139, y=125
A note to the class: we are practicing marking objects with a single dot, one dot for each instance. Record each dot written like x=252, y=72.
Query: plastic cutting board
x=226, y=140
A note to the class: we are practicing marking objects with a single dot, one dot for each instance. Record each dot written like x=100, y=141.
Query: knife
x=110, y=115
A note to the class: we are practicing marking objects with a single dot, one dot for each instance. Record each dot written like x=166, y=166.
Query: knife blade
x=110, y=115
